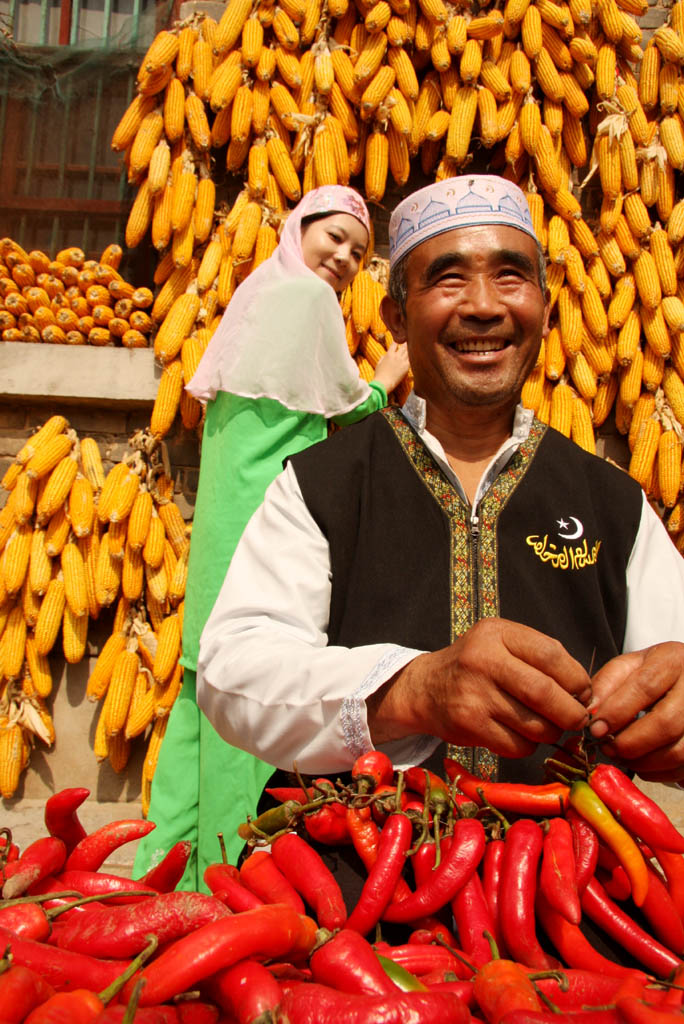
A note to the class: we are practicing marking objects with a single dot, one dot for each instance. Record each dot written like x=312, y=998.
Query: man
x=456, y=571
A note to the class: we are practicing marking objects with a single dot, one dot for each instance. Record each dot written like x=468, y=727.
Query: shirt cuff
x=378, y=387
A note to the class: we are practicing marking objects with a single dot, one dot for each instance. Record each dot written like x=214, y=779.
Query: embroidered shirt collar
x=415, y=411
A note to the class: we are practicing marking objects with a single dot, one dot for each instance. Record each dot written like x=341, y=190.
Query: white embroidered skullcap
x=460, y=202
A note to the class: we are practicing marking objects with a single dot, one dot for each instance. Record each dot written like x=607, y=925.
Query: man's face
x=475, y=315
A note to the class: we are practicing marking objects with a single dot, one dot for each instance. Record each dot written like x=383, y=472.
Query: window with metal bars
x=67, y=73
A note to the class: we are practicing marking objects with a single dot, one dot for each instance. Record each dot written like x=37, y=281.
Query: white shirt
x=269, y=682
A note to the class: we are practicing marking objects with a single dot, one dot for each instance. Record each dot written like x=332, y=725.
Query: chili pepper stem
x=42, y=897
x=4, y=851
x=551, y=762
x=132, y=1008
x=493, y=810
x=459, y=956
x=108, y=993
x=222, y=846
x=56, y=911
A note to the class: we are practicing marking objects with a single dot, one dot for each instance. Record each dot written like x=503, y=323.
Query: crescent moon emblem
x=579, y=530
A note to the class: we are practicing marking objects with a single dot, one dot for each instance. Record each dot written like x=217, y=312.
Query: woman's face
x=333, y=248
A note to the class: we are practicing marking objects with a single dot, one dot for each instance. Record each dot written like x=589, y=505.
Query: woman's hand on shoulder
x=392, y=367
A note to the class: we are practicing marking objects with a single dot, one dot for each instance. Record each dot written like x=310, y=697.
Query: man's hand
x=649, y=681
x=502, y=685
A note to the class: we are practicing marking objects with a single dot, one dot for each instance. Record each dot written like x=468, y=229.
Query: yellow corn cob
x=669, y=467
x=570, y=320
x=575, y=273
x=120, y=690
x=40, y=565
x=562, y=400
x=593, y=312
x=141, y=708
x=673, y=386
x=637, y=217
x=582, y=427
x=132, y=574
x=168, y=646
x=370, y=57
x=672, y=137
x=174, y=526
x=116, y=535
x=176, y=327
x=630, y=380
x=57, y=532
x=117, y=476
x=461, y=124
x=606, y=63
x=167, y=400
x=25, y=493
x=582, y=375
x=649, y=72
x=611, y=254
x=48, y=455
x=183, y=196
x=160, y=164
x=165, y=696
x=672, y=309
x=231, y=24
x=285, y=30
x=13, y=758
x=100, y=677
x=157, y=586
x=74, y=573
x=644, y=408
x=628, y=338
x=50, y=615
x=224, y=84
x=647, y=280
x=139, y=519
x=645, y=450
x=146, y=138
x=604, y=400
x=91, y=463
x=107, y=574
x=471, y=62
x=187, y=37
x=15, y=557
x=13, y=643
x=282, y=168
x=554, y=355
x=652, y=370
x=74, y=636
x=153, y=746
x=39, y=668
x=126, y=130
x=622, y=300
x=669, y=43
x=56, y=490
x=50, y=429
x=376, y=166
x=140, y=216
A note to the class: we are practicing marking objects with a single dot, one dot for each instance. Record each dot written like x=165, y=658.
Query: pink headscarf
x=282, y=335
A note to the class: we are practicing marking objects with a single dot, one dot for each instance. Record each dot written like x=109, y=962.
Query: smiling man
x=456, y=570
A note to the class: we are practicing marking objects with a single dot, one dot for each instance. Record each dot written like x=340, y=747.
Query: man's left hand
x=638, y=711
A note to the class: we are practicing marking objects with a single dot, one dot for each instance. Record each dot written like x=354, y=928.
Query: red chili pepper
x=28, y=920
x=42, y=858
x=262, y=876
x=379, y=887
x=574, y=989
x=61, y=819
x=82, y=1005
x=598, y=906
x=592, y=808
x=636, y=1011
x=658, y=908
x=248, y=991
x=431, y=929
x=364, y=834
x=523, y=847
x=585, y=844
x=348, y=962
x=423, y=862
x=99, y=883
x=224, y=882
x=21, y=990
x=558, y=876
x=473, y=921
x=309, y=1003
x=313, y=880
x=673, y=869
x=61, y=968
x=515, y=797
x=501, y=986
x=273, y=930
x=421, y=959
x=122, y=931
x=425, y=782
x=284, y=793
x=607, y=1016
x=372, y=769
x=165, y=876
x=94, y=849
x=328, y=825
x=193, y=1012
x=573, y=945
x=461, y=860
x=634, y=809
x=385, y=802
x=142, y=1015
x=491, y=883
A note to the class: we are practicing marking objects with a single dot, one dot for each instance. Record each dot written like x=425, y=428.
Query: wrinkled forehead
x=459, y=202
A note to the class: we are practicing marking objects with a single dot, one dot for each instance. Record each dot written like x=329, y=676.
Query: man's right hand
x=502, y=685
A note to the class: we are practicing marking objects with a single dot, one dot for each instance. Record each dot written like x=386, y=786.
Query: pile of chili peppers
x=480, y=901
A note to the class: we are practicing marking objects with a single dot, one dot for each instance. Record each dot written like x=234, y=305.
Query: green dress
x=202, y=785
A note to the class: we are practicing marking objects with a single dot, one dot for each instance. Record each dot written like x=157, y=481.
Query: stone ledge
x=126, y=377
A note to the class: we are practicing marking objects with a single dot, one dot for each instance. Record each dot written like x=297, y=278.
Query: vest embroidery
x=473, y=566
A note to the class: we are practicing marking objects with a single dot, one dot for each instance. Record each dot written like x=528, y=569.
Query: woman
x=276, y=371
